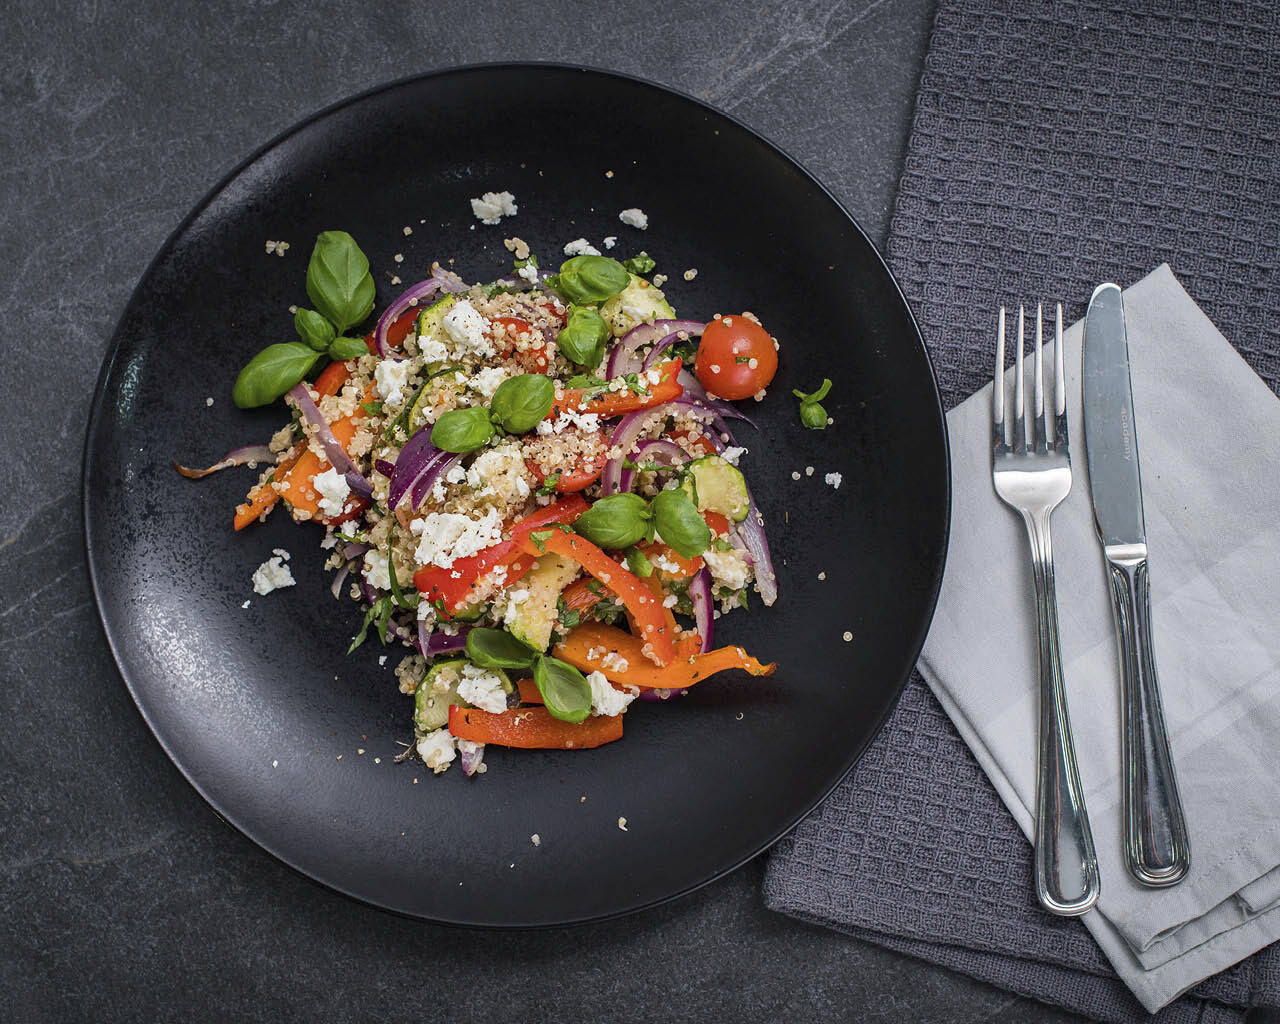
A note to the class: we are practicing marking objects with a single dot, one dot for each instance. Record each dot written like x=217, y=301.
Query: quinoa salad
x=531, y=484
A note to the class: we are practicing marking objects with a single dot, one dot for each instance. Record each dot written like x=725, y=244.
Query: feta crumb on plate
x=610, y=241
x=833, y=479
x=271, y=575
x=536, y=839
x=581, y=247
x=529, y=272
x=436, y=750
x=493, y=206
x=634, y=217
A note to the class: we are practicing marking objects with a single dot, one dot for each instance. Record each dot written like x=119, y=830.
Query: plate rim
x=94, y=423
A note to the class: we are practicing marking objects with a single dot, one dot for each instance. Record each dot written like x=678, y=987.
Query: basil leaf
x=539, y=538
x=314, y=329
x=384, y=617
x=638, y=562
x=338, y=279
x=345, y=348
x=549, y=485
x=272, y=372
x=565, y=691
x=617, y=521
x=462, y=430
x=813, y=415
x=360, y=637
x=587, y=280
x=496, y=648
x=679, y=523
x=583, y=337
x=641, y=264
x=522, y=402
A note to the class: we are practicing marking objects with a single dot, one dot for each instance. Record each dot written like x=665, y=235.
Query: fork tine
x=1040, y=436
x=1019, y=397
x=1060, y=390
x=998, y=432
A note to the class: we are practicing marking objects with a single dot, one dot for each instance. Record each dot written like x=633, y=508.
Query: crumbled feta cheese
x=350, y=528
x=529, y=272
x=536, y=839
x=390, y=376
x=498, y=471
x=581, y=247
x=329, y=541
x=607, y=701
x=493, y=206
x=731, y=455
x=436, y=750
x=610, y=241
x=468, y=330
x=446, y=536
x=615, y=661
x=332, y=487
x=456, y=473
x=513, y=599
x=482, y=688
x=432, y=349
x=634, y=217
x=833, y=479
x=245, y=605
x=727, y=567
x=376, y=570
x=486, y=381
x=272, y=575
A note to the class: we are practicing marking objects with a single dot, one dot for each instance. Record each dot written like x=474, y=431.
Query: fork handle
x=1156, y=848
x=1066, y=862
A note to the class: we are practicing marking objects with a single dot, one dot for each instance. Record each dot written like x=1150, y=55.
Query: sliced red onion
x=471, y=756
x=384, y=467
x=655, y=353
x=624, y=436
x=443, y=643
x=444, y=462
x=415, y=459
x=340, y=579
x=660, y=451
x=236, y=457
x=425, y=629
x=656, y=694
x=703, y=607
x=354, y=550
x=751, y=532
x=334, y=452
x=623, y=358
x=701, y=412
x=449, y=281
x=694, y=391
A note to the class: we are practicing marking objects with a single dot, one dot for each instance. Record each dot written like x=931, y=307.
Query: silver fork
x=1032, y=475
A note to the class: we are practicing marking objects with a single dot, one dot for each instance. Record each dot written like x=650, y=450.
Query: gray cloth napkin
x=1053, y=147
x=1207, y=427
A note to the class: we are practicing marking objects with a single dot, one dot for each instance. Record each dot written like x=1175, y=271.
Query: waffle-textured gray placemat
x=1054, y=146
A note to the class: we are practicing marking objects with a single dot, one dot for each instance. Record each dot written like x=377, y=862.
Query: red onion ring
x=624, y=436
x=334, y=452
x=703, y=607
x=656, y=352
x=623, y=358
x=437, y=468
x=657, y=450
x=243, y=456
x=415, y=459
x=750, y=532
x=695, y=392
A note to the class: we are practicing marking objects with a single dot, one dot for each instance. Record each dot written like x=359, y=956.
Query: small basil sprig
x=462, y=430
x=640, y=265
x=272, y=372
x=340, y=285
x=314, y=329
x=679, y=524
x=617, y=521
x=813, y=415
x=338, y=280
x=583, y=337
x=566, y=694
x=521, y=402
x=638, y=562
x=622, y=520
x=587, y=280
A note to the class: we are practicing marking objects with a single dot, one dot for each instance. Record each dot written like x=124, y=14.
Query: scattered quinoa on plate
x=522, y=482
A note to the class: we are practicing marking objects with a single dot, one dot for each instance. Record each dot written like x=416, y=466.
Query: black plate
x=255, y=706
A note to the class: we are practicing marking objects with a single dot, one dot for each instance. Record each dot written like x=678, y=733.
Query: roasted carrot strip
x=599, y=639
x=613, y=403
x=529, y=692
x=532, y=728
x=297, y=487
x=262, y=496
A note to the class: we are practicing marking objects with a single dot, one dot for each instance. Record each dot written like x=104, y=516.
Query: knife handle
x=1156, y=847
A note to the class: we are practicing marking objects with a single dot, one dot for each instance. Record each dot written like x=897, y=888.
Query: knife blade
x=1156, y=846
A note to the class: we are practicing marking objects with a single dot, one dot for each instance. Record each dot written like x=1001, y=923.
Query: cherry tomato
x=532, y=358
x=736, y=358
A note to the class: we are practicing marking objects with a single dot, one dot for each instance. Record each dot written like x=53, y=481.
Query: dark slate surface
x=125, y=896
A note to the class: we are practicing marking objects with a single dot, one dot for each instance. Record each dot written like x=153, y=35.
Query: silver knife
x=1156, y=847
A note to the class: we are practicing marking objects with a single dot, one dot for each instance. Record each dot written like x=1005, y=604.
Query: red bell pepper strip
x=688, y=668
x=532, y=728
x=645, y=609
x=457, y=591
x=615, y=403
